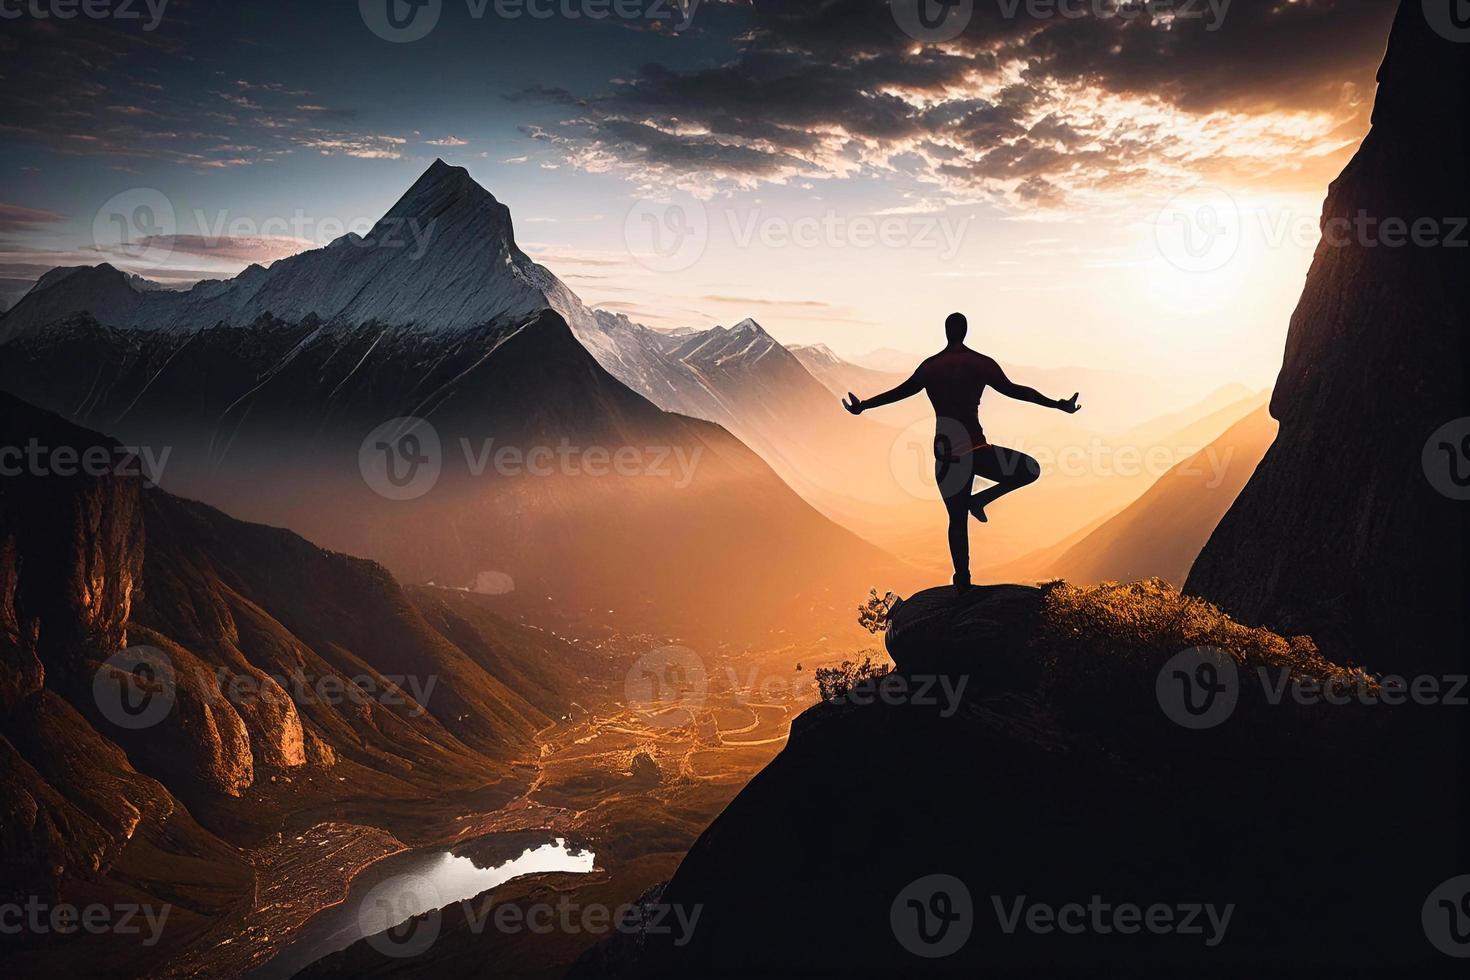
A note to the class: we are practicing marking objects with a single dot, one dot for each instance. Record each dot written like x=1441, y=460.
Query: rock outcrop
x=1344, y=530
x=1035, y=765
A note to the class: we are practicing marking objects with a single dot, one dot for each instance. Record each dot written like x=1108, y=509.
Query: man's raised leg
x=1009, y=469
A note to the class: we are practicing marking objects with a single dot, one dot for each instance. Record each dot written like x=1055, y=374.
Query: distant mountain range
x=443, y=260
x=428, y=315
x=268, y=388
x=1160, y=534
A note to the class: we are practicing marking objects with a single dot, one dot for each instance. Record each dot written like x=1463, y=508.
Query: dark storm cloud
x=824, y=82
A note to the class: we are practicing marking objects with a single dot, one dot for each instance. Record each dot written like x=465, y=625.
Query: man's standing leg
x=956, y=479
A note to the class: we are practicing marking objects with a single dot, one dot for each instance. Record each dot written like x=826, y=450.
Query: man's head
x=955, y=327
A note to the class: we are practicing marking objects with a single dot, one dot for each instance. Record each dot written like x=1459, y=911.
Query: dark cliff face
x=63, y=598
x=1341, y=532
x=1056, y=777
x=296, y=677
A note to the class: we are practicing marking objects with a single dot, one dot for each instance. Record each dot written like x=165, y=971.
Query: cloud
x=362, y=147
x=1016, y=110
x=95, y=90
x=259, y=248
x=752, y=301
x=448, y=141
x=14, y=218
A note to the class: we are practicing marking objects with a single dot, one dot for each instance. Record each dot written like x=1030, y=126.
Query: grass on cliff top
x=1142, y=624
x=1111, y=640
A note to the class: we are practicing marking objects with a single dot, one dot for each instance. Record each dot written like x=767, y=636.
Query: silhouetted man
x=955, y=378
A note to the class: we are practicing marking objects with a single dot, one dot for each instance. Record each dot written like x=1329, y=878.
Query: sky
x=1128, y=187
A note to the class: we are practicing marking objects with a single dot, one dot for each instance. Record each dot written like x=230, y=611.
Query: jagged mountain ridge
x=442, y=259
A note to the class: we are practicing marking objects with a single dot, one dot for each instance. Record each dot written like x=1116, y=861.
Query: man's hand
x=1070, y=405
x=853, y=404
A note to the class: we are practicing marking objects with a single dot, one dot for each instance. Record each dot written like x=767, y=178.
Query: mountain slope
x=293, y=680
x=1351, y=512
x=270, y=421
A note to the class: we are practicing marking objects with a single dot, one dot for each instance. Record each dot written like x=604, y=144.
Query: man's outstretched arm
x=908, y=389
x=1010, y=389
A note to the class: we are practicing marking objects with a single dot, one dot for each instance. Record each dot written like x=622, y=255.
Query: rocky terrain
x=289, y=678
x=1347, y=528
x=1057, y=776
